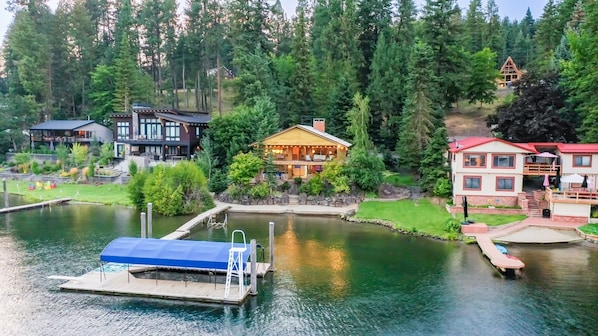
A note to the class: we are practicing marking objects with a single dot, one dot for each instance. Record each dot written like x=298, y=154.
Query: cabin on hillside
x=509, y=72
x=68, y=132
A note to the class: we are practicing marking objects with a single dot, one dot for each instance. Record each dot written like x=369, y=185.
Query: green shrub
x=236, y=191
x=135, y=190
x=218, y=181
x=298, y=181
x=22, y=158
x=133, y=168
x=285, y=186
x=443, y=188
x=260, y=191
x=452, y=225
x=313, y=187
x=35, y=168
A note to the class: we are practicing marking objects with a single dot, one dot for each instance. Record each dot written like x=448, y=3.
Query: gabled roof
x=578, y=148
x=467, y=143
x=509, y=66
x=314, y=131
x=196, y=119
x=61, y=125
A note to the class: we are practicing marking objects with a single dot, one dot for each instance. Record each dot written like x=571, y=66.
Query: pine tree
x=548, y=36
x=418, y=119
x=474, y=27
x=434, y=165
x=373, y=18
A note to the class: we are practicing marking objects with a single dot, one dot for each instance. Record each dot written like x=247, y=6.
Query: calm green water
x=332, y=278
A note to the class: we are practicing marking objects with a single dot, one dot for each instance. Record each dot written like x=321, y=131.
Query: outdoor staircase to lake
x=293, y=199
x=533, y=208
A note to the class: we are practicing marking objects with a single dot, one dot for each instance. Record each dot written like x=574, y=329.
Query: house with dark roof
x=160, y=134
x=54, y=132
x=549, y=179
x=300, y=150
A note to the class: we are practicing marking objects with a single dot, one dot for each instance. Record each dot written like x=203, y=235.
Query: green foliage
x=35, y=168
x=314, y=186
x=285, y=186
x=434, y=165
x=133, y=168
x=22, y=158
x=334, y=175
x=359, y=120
x=106, y=153
x=135, y=190
x=260, y=191
x=364, y=170
x=244, y=168
x=91, y=169
x=79, y=154
x=206, y=158
x=218, y=182
x=481, y=77
x=62, y=153
x=166, y=198
x=399, y=180
x=443, y=187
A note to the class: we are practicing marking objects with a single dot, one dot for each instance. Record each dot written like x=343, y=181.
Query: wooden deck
x=35, y=205
x=126, y=284
x=496, y=257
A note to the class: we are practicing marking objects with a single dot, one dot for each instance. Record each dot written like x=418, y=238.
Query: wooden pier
x=35, y=205
x=185, y=229
x=497, y=259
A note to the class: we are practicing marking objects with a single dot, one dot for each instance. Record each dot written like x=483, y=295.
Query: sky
x=514, y=9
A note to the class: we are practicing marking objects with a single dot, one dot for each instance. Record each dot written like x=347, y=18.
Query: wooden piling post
x=253, y=279
x=6, y=205
x=271, y=242
x=149, y=220
x=143, y=233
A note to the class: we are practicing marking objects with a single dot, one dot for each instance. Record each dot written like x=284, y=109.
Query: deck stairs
x=235, y=264
x=533, y=208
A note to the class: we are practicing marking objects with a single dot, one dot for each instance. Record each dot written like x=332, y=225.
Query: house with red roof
x=494, y=172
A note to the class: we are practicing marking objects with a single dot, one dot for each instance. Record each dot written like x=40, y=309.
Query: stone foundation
x=303, y=199
x=476, y=200
x=569, y=219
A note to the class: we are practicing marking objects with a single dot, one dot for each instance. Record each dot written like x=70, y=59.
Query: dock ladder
x=235, y=264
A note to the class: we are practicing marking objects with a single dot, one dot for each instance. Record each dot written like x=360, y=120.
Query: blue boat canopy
x=171, y=253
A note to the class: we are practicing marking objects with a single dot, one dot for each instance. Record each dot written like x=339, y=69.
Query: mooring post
x=253, y=279
x=6, y=205
x=149, y=220
x=271, y=242
x=143, y=235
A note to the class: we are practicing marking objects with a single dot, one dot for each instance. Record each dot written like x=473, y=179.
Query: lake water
x=332, y=278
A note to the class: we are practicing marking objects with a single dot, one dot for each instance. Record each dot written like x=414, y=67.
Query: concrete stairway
x=533, y=208
x=293, y=199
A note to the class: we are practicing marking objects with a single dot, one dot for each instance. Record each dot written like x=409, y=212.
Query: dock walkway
x=34, y=205
x=185, y=229
x=496, y=257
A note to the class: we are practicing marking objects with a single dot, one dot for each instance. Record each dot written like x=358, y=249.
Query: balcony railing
x=540, y=169
x=572, y=196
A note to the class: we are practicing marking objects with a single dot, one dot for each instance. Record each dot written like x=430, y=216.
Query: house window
x=505, y=183
x=582, y=160
x=503, y=161
x=150, y=128
x=173, y=131
x=475, y=160
x=122, y=130
x=472, y=182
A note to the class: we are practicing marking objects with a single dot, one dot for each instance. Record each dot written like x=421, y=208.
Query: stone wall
x=569, y=219
x=490, y=211
x=488, y=200
x=303, y=199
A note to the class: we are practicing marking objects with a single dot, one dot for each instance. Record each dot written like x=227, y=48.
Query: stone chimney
x=319, y=124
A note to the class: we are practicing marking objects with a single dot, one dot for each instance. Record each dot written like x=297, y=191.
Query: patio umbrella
x=575, y=178
x=547, y=155
x=546, y=182
x=584, y=183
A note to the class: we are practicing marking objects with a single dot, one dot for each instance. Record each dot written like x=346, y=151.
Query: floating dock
x=185, y=229
x=499, y=260
x=35, y=205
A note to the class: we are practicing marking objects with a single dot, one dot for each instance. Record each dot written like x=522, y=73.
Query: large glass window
x=503, y=161
x=582, y=160
x=475, y=160
x=150, y=128
x=505, y=183
x=173, y=131
x=472, y=182
x=122, y=130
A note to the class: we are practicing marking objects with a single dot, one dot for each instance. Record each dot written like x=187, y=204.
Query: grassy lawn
x=398, y=180
x=103, y=194
x=421, y=216
x=589, y=229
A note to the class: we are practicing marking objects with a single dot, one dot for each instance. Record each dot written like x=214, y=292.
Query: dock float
x=35, y=205
x=499, y=260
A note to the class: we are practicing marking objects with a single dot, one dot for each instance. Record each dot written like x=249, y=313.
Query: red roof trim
x=468, y=143
x=578, y=148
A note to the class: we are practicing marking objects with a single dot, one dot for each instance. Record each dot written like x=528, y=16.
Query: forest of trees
x=91, y=58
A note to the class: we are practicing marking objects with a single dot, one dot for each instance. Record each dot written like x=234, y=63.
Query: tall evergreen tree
x=474, y=27
x=434, y=165
x=418, y=113
x=373, y=18
x=547, y=37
